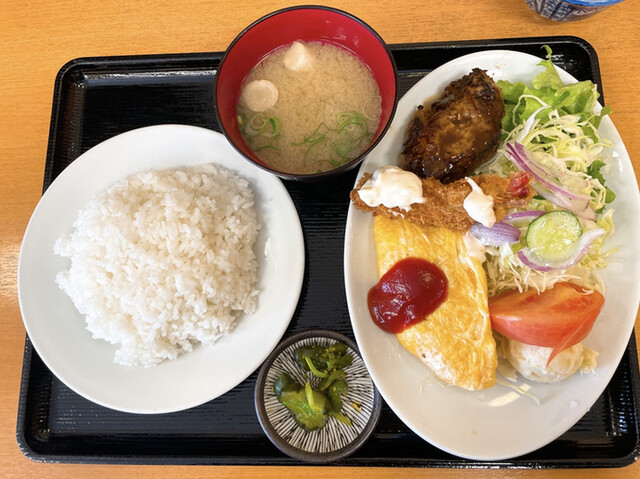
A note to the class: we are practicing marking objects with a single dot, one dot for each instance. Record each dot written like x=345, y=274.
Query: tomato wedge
x=558, y=318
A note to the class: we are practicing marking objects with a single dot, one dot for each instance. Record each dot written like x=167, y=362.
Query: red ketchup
x=406, y=294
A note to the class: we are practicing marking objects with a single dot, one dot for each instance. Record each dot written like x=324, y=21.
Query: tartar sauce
x=479, y=206
x=392, y=187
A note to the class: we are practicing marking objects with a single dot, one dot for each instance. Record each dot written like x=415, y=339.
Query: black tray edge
x=618, y=462
x=499, y=43
x=114, y=60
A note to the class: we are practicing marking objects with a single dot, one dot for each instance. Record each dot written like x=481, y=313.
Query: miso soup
x=309, y=107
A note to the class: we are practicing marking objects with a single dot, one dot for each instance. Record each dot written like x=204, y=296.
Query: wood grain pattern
x=38, y=37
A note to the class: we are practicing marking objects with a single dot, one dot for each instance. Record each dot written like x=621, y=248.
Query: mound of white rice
x=163, y=260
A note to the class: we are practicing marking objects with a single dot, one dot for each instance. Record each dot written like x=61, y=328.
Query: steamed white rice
x=163, y=260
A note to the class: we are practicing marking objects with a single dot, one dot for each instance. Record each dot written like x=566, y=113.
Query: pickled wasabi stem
x=307, y=405
x=311, y=406
x=323, y=360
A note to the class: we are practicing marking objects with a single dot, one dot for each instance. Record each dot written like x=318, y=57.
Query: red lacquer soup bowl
x=307, y=24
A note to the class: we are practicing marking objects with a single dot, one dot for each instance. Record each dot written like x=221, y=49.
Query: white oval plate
x=497, y=423
x=58, y=332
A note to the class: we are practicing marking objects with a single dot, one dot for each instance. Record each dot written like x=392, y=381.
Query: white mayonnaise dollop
x=259, y=95
x=479, y=206
x=298, y=58
x=392, y=187
x=474, y=247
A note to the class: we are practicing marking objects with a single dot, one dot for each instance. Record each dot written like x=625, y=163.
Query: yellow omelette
x=455, y=341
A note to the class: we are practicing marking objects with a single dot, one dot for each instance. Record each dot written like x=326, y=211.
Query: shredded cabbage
x=557, y=124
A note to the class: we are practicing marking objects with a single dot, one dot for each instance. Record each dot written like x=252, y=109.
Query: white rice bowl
x=163, y=260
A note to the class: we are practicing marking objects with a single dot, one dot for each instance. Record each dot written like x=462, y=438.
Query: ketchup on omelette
x=412, y=289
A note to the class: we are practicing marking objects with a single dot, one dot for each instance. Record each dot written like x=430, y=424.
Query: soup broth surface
x=327, y=110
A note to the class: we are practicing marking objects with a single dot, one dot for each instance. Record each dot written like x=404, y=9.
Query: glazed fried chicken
x=455, y=135
x=444, y=204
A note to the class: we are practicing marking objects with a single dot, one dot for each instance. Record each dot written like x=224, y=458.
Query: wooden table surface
x=38, y=37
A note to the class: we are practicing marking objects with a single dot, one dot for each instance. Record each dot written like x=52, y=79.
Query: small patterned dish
x=335, y=440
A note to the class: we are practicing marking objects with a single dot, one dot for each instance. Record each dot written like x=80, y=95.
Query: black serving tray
x=97, y=98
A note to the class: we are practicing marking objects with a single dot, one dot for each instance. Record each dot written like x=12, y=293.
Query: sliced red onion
x=586, y=240
x=579, y=208
x=548, y=187
x=496, y=235
x=543, y=176
x=524, y=215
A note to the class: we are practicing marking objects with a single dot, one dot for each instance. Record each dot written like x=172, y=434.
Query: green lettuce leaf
x=573, y=99
x=594, y=172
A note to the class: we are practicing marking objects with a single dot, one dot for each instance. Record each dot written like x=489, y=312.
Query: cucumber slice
x=554, y=236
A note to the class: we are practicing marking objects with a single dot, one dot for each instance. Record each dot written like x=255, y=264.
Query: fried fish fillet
x=455, y=341
x=453, y=136
x=444, y=204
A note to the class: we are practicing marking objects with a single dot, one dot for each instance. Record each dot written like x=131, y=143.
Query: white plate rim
x=174, y=145
x=475, y=445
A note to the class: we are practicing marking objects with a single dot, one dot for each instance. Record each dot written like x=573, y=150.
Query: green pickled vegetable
x=311, y=407
x=307, y=405
x=341, y=417
x=335, y=392
x=335, y=374
x=323, y=359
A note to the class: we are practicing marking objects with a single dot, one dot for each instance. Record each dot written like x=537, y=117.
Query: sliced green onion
x=261, y=126
x=260, y=132
x=343, y=142
x=266, y=147
x=275, y=126
x=376, y=105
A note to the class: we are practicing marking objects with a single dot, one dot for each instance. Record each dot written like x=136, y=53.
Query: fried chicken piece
x=451, y=138
x=444, y=204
